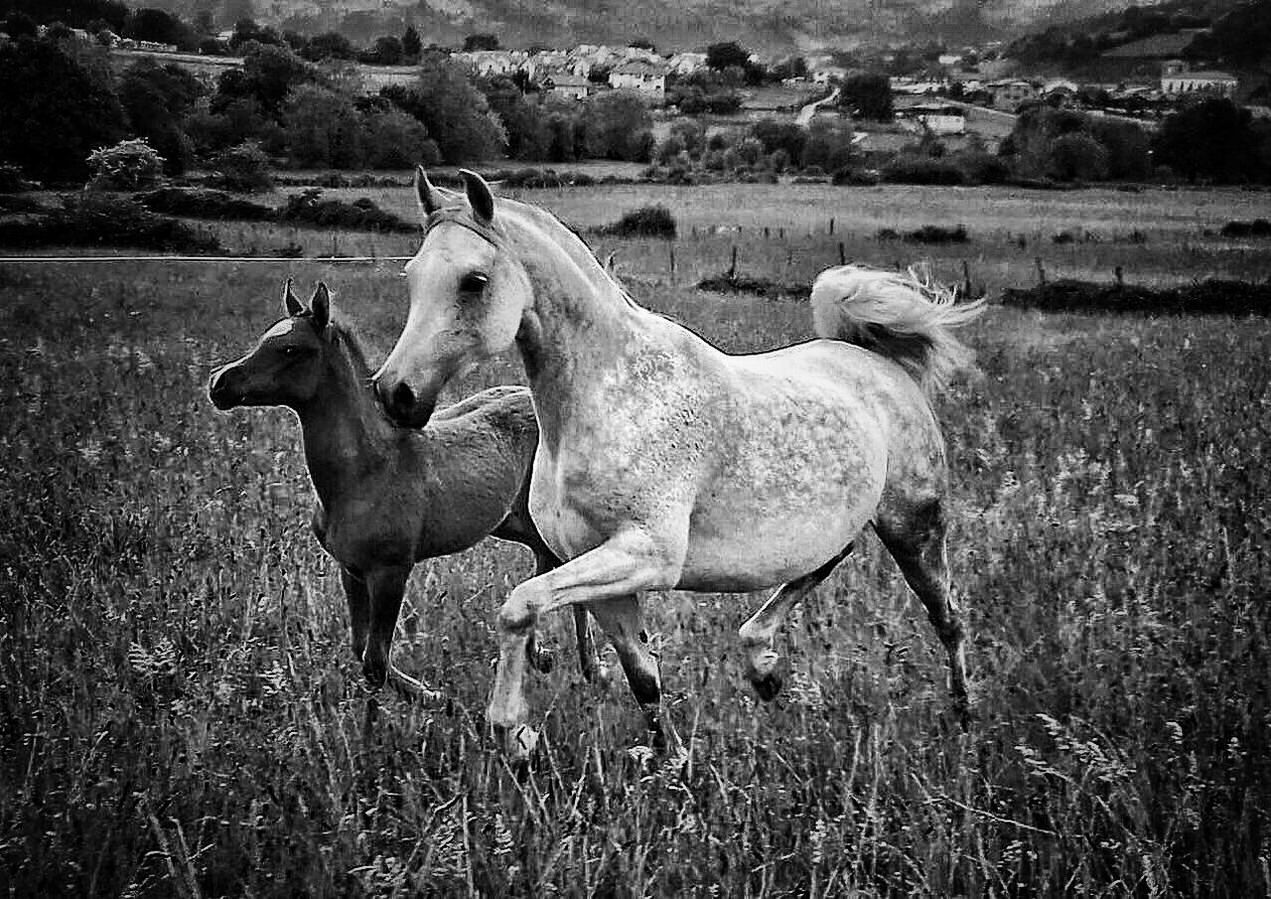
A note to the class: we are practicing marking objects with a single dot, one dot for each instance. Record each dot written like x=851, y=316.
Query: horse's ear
x=479, y=196
x=321, y=306
x=290, y=302
x=611, y=264
x=429, y=202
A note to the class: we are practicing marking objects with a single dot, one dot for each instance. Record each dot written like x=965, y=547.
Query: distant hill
x=765, y=25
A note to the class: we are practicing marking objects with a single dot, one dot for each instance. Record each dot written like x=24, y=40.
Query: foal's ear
x=429, y=201
x=321, y=307
x=479, y=196
x=611, y=264
x=290, y=302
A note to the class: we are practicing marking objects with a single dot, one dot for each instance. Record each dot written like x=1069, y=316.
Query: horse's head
x=467, y=296
x=284, y=368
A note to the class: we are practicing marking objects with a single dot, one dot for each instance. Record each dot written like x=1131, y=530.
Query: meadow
x=180, y=713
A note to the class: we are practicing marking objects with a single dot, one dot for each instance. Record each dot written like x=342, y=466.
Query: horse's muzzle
x=402, y=406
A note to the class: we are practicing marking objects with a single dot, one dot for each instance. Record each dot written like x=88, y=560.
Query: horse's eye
x=474, y=282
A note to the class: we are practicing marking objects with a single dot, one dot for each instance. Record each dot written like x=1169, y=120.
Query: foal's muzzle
x=221, y=390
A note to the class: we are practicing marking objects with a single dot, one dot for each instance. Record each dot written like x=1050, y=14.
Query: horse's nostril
x=403, y=398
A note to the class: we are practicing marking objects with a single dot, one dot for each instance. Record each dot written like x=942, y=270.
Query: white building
x=644, y=77
x=941, y=119
x=1177, y=81
x=566, y=85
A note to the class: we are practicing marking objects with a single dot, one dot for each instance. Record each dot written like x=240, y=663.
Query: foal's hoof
x=767, y=686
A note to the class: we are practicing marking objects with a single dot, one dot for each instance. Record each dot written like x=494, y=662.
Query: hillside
x=768, y=25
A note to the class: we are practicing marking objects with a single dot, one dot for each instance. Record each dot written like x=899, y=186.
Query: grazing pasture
x=179, y=714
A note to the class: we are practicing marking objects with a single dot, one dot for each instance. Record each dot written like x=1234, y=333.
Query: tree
x=412, y=46
x=1211, y=139
x=269, y=72
x=160, y=27
x=480, y=42
x=614, y=123
x=157, y=100
x=386, y=52
x=1077, y=156
x=54, y=110
x=395, y=140
x=328, y=45
x=729, y=53
x=323, y=128
x=523, y=122
x=867, y=95
x=776, y=135
x=456, y=114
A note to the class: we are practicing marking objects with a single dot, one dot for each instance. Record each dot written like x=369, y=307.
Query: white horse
x=664, y=463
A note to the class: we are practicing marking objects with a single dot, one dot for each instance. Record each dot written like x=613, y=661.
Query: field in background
x=180, y=715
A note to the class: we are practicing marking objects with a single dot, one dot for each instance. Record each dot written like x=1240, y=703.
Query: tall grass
x=180, y=714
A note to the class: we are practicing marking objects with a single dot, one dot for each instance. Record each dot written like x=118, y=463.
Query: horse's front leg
x=359, y=609
x=386, y=587
x=619, y=568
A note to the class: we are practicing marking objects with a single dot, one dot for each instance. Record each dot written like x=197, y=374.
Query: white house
x=939, y=118
x=686, y=63
x=1011, y=92
x=567, y=85
x=1180, y=81
x=644, y=77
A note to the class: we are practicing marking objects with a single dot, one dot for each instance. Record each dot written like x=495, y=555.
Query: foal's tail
x=906, y=317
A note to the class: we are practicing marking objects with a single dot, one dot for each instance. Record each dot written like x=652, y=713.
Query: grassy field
x=180, y=714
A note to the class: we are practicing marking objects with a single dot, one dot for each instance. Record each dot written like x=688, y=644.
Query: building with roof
x=1176, y=81
x=567, y=85
x=646, y=78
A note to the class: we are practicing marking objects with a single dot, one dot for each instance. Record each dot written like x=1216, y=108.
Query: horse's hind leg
x=758, y=634
x=916, y=539
x=386, y=587
x=621, y=621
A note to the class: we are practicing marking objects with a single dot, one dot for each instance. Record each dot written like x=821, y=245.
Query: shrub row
x=90, y=220
x=1255, y=228
x=927, y=234
x=1211, y=297
x=309, y=208
x=305, y=208
x=647, y=221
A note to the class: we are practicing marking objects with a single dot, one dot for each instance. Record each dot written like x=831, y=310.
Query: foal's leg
x=621, y=621
x=916, y=540
x=759, y=632
x=386, y=586
x=359, y=609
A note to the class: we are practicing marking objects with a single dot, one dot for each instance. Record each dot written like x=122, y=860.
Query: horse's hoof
x=767, y=686
x=542, y=659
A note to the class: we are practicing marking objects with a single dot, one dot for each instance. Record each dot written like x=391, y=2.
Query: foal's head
x=468, y=293
x=286, y=366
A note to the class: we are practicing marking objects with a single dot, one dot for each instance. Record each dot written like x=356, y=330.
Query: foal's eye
x=474, y=282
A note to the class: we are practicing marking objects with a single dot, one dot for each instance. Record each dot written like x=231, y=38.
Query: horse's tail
x=906, y=317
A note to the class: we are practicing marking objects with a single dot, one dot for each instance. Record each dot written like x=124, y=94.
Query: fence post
x=831, y=224
x=1041, y=271
x=732, y=267
x=842, y=254
x=1120, y=273
x=335, y=245
x=966, y=279
x=672, y=249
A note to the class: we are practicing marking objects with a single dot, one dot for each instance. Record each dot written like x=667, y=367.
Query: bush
x=647, y=221
x=11, y=180
x=204, y=204
x=242, y=169
x=1212, y=297
x=937, y=234
x=850, y=177
x=981, y=167
x=97, y=220
x=914, y=169
x=1077, y=157
x=308, y=208
x=128, y=165
x=1255, y=228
